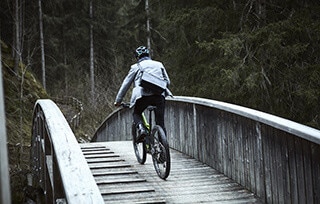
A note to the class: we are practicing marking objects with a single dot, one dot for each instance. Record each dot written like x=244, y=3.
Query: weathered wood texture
x=5, y=196
x=121, y=179
x=58, y=166
x=275, y=158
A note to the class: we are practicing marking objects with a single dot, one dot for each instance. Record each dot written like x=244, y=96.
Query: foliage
x=260, y=54
x=268, y=64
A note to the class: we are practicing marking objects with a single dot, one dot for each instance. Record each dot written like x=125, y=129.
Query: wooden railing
x=59, y=169
x=275, y=158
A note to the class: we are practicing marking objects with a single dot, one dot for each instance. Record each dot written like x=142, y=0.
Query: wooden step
x=117, y=179
x=121, y=179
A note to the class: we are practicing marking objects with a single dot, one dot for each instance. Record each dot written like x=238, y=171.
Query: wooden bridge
x=221, y=153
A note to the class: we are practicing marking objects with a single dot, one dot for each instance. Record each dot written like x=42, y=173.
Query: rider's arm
x=126, y=85
x=166, y=76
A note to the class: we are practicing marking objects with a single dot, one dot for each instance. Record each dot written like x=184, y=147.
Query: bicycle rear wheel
x=160, y=154
x=139, y=147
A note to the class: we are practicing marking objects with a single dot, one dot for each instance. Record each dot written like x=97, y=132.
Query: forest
x=261, y=54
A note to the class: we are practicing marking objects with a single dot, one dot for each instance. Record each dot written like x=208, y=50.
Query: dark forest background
x=262, y=54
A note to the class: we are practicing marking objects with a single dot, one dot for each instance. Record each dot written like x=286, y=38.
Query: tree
x=92, y=57
x=43, y=63
x=18, y=29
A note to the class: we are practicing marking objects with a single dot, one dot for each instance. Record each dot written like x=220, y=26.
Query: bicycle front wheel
x=160, y=154
x=139, y=147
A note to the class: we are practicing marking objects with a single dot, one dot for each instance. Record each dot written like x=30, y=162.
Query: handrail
x=275, y=158
x=58, y=166
x=286, y=125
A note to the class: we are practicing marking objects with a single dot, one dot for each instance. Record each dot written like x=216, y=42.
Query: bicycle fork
x=149, y=139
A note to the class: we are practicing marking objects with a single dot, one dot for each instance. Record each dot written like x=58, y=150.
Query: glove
x=117, y=104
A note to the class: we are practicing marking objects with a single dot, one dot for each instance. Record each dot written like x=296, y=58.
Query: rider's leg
x=139, y=107
x=159, y=102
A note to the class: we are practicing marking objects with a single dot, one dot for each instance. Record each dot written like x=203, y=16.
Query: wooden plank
x=119, y=172
x=307, y=166
x=284, y=152
x=104, y=160
x=315, y=151
x=300, y=171
x=267, y=142
x=119, y=181
x=279, y=180
x=98, y=152
x=293, y=171
x=259, y=166
x=140, y=197
x=189, y=180
x=122, y=190
x=252, y=159
x=107, y=165
x=101, y=156
x=91, y=149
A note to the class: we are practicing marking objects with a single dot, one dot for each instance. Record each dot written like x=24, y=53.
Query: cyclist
x=141, y=97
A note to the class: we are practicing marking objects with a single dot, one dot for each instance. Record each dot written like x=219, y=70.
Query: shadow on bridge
x=250, y=151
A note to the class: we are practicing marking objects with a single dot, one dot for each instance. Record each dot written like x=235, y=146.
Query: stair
x=117, y=180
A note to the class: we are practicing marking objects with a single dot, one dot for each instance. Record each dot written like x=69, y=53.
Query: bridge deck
x=121, y=179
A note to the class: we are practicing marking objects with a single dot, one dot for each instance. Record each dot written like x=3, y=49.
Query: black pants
x=144, y=102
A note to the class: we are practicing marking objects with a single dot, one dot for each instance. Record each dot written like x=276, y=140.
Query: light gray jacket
x=134, y=75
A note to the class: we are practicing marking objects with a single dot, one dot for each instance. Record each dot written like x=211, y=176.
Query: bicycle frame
x=155, y=143
x=145, y=122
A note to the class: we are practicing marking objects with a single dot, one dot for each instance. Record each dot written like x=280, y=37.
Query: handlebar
x=125, y=105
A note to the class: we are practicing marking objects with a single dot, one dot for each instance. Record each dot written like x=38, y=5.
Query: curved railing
x=59, y=169
x=275, y=158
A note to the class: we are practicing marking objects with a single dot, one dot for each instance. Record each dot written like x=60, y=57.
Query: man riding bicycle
x=142, y=97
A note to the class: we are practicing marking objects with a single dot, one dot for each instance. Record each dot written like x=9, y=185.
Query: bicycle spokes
x=161, y=154
x=139, y=147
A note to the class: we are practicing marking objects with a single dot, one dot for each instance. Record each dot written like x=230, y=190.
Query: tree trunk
x=261, y=11
x=65, y=68
x=43, y=63
x=92, y=58
x=16, y=43
x=148, y=25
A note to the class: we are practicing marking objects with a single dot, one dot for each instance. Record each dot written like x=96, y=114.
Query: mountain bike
x=155, y=143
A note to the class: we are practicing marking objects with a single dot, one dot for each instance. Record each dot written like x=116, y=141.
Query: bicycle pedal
x=148, y=149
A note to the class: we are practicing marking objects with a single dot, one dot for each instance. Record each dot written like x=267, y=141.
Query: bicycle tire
x=139, y=147
x=161, y=153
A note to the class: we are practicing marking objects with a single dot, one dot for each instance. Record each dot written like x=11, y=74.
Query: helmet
x=141, y=51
